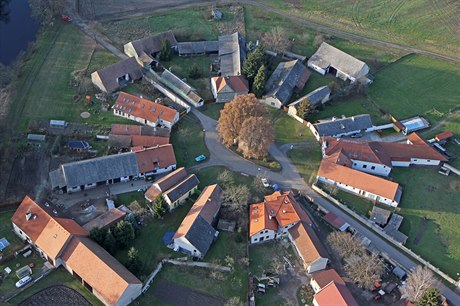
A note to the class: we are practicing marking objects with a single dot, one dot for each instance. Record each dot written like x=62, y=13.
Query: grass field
x=430, y=25
x=213, y=110
x=289, y=130
x=306, y=161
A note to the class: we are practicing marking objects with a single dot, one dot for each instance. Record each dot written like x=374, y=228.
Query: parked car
x=357, y=135
x=24, y=281
x=265, y=182
x=200, y=158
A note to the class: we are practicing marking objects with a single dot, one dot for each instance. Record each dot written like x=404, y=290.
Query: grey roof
x=57, y=178
x=173, y=178
x=232, y=53
x=109, y=75
x=36, y=137
x=182, y=188
x=315, y=97
x=197, y=47
x=180, y=87
x=327, y=55
x=380, y=215
x=395, y=221
x=344, y=125
x=286, y=77
x=152, y=44
x=201, y=235
x=395, y=234
x=100, y=169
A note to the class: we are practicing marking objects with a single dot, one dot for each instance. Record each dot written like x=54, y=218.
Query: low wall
x=150, y=278
x=197, y=264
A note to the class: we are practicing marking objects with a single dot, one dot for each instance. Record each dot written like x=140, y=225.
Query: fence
x=150, y=278
x=198, y=264
x=378, y=231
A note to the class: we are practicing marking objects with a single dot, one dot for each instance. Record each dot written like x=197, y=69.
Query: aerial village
x=137, y=213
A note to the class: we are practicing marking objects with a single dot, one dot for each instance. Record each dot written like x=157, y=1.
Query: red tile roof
x=155, y=158
x=37, y=222
x=206, y=206
x=334, y=220
x=307, y=243
x=148, y=141
x=108, y=277
x=126, y=129
x=143, y=108
x=237, y=83
x=358, y=179
x=108, y=218
x=444, y=135
x=335, y=294
x=325, y=277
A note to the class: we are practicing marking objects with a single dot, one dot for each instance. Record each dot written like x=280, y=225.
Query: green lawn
x=306, y=161
x=188, y=141
x=213, y=110
x=419, y=23
x=100, y=58
x=417, y=85
x=429, y=194
x=129, y=197
x=58, y=277
x=289, y=130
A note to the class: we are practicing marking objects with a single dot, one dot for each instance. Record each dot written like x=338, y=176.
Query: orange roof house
x=165, y=183
x=321, y=279
x=144, y=111
x=226, y=88
x=196, y=233
x=334, y=294
x=156, y=160
x=309, y=247
x=64, y=242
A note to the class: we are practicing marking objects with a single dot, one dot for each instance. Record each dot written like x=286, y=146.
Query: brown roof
x=323, y=278
x=334, y=220
x=143, y=108
x=148, y=141
x=335, y=294
x=237, y=83
x=126, y=129
x=98, y=268
x=50, y=234
x=165, y=183
x=358, y=179
x=444, y=135
x=307, y=242
x=207, y=206
x=108, y=218
x=155, y=158
x=110, y=74
x=152, y=44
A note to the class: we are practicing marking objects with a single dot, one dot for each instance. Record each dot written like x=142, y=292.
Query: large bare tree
x=364, y=270
x=256, y=136
x=277, y=39
x=345, y=244
x=418, y=281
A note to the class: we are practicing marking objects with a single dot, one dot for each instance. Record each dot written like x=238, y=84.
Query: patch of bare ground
x=56, y=295
x=233, y=24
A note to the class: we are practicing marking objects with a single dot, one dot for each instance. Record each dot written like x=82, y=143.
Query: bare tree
x=234, y=301
x=345, y=244
x=237, y=196
x=277, y=39
x=225, y=178
x=418, y=281
x=364, y=269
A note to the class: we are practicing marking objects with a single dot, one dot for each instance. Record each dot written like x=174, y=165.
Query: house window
x=354, y=164
x=373, y=168
x=364, y=166
x=428, y=160
x=255, y=239
x=268, y=237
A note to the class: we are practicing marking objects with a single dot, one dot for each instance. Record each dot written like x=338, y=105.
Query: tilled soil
x=56, y=296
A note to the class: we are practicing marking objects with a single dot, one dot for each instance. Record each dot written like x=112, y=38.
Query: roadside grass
x=307, y=161
x=417, y=23
x=289, y=130
x=213, y=110
x=57, y=277
x=99, y=59
x=417, y=85
x=427, y=194
x=187, y=138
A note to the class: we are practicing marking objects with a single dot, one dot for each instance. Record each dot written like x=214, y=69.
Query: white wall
x=427, y=162
x=213, y=89
x=317, y=265
x=272, y=101
x=266, y=234
x=130, y=294
x=369, y=167
x=314, y=285
x=400, y=163
x=183, y=243
x=317, y=69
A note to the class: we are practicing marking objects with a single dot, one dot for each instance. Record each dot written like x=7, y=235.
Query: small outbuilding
x=380, y=216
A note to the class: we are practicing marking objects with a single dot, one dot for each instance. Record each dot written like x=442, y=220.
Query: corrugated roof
x=334, y=220
x=327, y=55
x=286, y=77
x=106, y=219
x=379, y=215
x=197, y=47
x=109, y=75
x=180, y=86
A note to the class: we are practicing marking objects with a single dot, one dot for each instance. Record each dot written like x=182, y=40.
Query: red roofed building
x=336, y=221
x=225, y=89
x=334, y=294
x=321, y=279
x=63, y=242
x=156, y=160
x=144, y=111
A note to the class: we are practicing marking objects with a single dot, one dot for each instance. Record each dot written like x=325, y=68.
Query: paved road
x=289, y=177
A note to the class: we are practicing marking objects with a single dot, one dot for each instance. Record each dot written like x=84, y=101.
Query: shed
x=58, y=124
x=380, y=216
x=168, y=238
x=36, y=138
x=23, y=272
x=444, y=136
x=336, y=221
x=400, y=273
x=217, y=14
x=78, y=145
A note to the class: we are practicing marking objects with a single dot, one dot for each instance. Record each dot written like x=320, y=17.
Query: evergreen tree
x=256, y=58
x=305, y=108
x=165, y=51
x=159, y=207
x=133, y=264
x=123, y=233
x=431, y=297
x=98, y=235
x=258, y=86
x=110, y=243
x=194, y=72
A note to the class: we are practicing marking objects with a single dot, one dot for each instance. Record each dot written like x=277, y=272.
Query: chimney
x=353, y=118
x=284, y=211
x=28, y=215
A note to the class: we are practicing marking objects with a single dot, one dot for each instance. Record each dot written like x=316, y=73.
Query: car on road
x=357, y=135
x=24, y=281
x=265, y=182
x=200, y=158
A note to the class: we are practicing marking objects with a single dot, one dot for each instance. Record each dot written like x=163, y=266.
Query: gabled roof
x=165, y=183
x=109, y=75
x=181, y=87
x=344, y=125
x=183, y=187
x=334, y=220
x=201, y=235
x=232, y=53
x=335, y=294
x=259, y=219
x=379, y=215
x=358, y=179
x=143, y=108
x=152, y=44
x=197, y=47
x=325, y=277
x=327, y=55
x=128, y=141
x=315, y=97
x=107, y=276
x=444, y=135
x=99, y=169
x=155, y=158
x=50, y=234
x=207, y=206
x=307, y=243
x=142, y=130
x=106, y=219
x=286, y=77
x=236, y=83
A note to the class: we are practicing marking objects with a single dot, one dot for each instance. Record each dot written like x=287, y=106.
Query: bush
x=194, y=72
